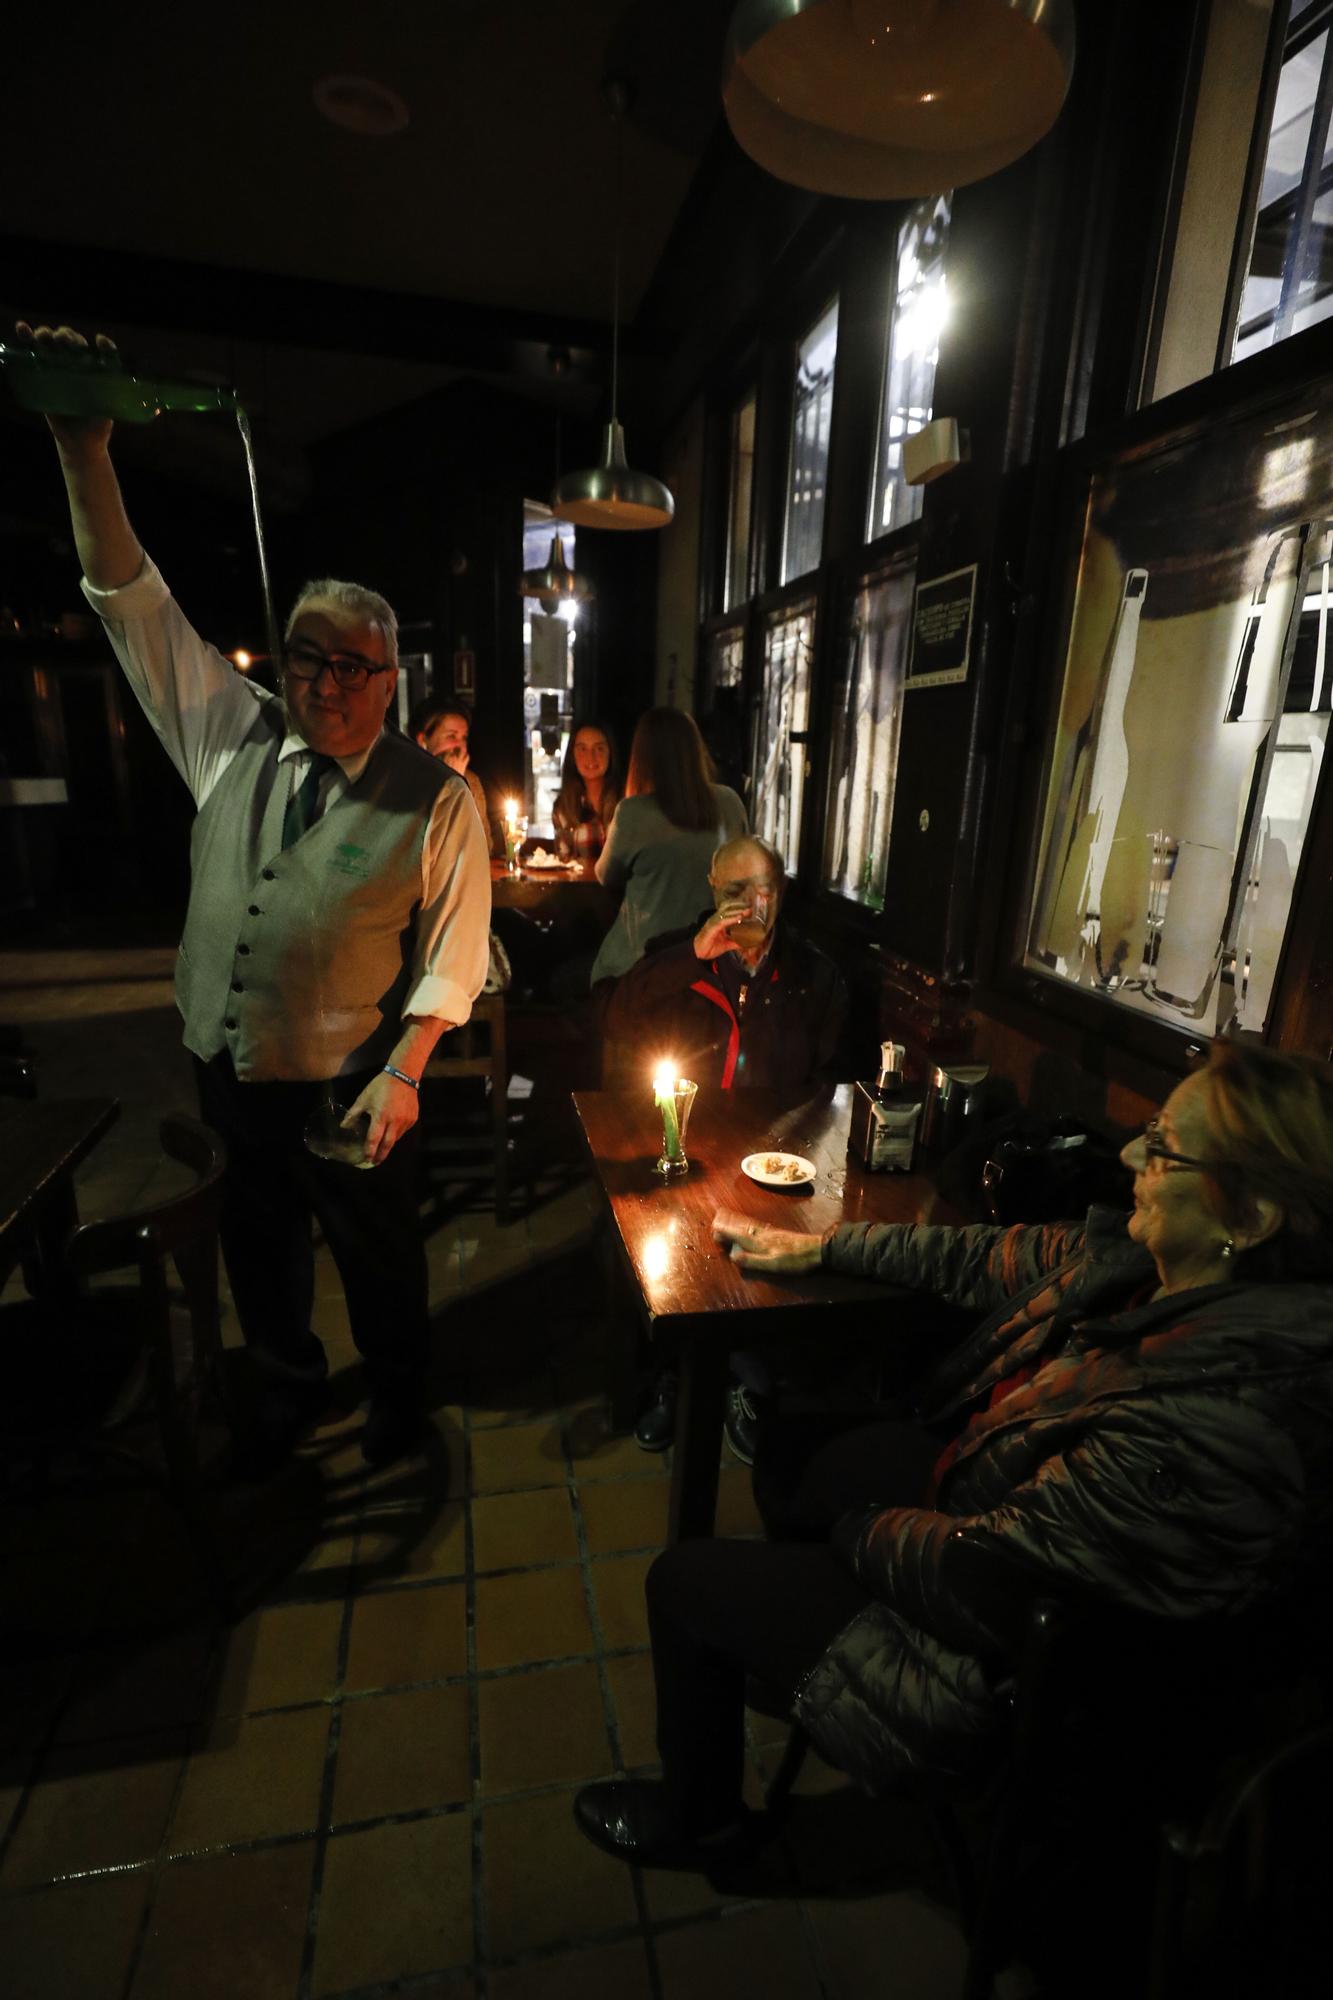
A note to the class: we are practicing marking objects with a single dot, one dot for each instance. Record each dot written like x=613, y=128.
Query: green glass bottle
x=82, y=382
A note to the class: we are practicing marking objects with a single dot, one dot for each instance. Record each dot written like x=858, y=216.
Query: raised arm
x=108, y=548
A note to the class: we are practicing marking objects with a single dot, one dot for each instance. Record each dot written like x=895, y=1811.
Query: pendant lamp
x=885, y=99
x=557, y=583
x=611, y=494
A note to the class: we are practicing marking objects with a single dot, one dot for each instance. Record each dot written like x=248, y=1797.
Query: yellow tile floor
x=363, y=1786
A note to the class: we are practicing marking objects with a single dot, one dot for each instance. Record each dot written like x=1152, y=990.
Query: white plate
x=541, y=867
x=758, y=1165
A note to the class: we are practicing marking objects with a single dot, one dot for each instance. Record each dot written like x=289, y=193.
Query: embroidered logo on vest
x=349, y=859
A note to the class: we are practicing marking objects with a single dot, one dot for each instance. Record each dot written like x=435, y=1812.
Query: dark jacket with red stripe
x=673, y=1003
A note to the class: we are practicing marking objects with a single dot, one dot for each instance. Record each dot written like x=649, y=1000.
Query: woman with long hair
x=665, y=832
x=590, y=788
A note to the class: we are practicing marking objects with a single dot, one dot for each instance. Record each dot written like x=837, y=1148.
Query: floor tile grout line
x=310, y=1943
x=608, y=1706
x=477, y=1852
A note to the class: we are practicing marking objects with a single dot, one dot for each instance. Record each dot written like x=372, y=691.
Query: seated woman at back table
x=663, y=837
x=1142, y=1423
x=589, y=792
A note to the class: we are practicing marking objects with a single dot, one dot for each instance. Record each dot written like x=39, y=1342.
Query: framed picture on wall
x=1186, y=756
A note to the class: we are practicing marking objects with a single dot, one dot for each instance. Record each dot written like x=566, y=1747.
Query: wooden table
x=688, y=1291
x=551, y=892
x=41, y=1145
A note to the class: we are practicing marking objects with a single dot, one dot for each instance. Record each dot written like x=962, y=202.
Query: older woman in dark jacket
x=1143, y=1420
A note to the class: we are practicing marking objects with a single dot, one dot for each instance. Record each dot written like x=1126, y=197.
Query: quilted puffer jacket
x=1173, y=1457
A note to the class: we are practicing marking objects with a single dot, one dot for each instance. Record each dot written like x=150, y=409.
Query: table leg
x=703, y=1380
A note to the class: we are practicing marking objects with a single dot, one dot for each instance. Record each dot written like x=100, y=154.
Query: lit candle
x=664, y=1092
x=511, y=814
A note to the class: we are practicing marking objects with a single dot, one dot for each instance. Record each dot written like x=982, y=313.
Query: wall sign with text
x=942, y=629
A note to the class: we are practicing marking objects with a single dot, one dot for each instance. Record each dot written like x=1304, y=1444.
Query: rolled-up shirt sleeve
x=452, y=950
x=201, y=708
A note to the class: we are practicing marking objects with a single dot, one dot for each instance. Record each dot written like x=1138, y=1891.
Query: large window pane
x=1289, y=282
x=812, y=412
x=917, y=314
x=740, y=489
x=1195, y=714
x=865, y=736
x=778, y=764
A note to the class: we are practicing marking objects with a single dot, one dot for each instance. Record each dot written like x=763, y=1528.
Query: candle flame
x=664, y=1082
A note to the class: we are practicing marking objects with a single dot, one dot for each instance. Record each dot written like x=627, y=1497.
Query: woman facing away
x=590, y=788
x=663, y=837
x=1141, y=1423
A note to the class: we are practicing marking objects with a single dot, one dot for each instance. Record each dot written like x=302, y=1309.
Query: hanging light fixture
x=557, y=584
x=611, y=494
x=885, y=99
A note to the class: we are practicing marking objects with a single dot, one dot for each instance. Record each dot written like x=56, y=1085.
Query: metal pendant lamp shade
x=612, y=494
x=886, y=99
x=557, y=583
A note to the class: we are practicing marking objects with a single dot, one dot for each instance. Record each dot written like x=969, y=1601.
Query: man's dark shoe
x=394, y=1429
x=630, y=1818
x=741, y=1422
x=656, y=1427
x=282, y=1414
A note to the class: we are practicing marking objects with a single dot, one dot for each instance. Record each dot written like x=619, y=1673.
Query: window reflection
x=1289, y=283
x=812, y=412
x=917, y=316
x=740, y=488
x=778, y=764
x=864, y=757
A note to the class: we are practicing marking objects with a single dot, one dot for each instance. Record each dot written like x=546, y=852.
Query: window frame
x=1247, y=221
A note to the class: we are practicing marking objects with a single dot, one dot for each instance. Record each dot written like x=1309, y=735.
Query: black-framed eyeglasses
x=350, y=671
x=1156, y=1148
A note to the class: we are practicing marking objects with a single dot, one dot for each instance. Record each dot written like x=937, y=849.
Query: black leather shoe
x=741, y=1422
x=629, y=1818
x=394, y=1429
x=656, y=1427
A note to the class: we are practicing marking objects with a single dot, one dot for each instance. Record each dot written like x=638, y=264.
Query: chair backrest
x=175, y=1226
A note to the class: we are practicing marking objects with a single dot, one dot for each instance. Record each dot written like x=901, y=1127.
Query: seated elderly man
x=740, y=1001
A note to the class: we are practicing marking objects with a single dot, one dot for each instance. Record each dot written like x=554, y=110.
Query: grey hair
x=351, y=600
x=766, y=848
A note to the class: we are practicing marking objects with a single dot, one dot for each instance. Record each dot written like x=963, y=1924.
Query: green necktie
x=300, y=813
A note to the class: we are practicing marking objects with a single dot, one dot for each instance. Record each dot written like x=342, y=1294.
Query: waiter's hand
x=69, y=432
x=391, y=1108
x=715, y=937
x=755, y=1246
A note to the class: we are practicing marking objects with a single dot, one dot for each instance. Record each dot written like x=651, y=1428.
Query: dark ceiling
x=169, y=175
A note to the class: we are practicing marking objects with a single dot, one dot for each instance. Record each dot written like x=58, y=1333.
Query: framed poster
x=942, y=629
x=1186, y=754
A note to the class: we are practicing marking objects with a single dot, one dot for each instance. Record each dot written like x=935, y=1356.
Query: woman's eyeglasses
x=1156, y=1148
x=350, y=672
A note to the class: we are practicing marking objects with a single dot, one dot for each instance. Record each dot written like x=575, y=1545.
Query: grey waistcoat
x=299, y=963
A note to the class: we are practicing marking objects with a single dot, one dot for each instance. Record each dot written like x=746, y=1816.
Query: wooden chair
x=80, y=1362
x=1240, y=1891
x=460, y=1055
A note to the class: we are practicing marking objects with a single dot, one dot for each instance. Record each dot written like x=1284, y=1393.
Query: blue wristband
x=402, y=1076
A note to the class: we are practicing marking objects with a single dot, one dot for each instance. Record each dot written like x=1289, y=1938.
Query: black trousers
x=720, y=1611
x=273, y=1189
